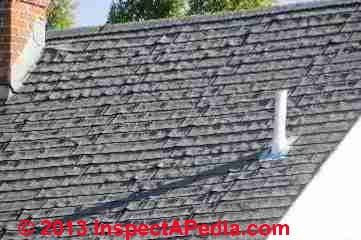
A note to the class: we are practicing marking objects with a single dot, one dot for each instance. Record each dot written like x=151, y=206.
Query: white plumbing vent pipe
x=279, y=141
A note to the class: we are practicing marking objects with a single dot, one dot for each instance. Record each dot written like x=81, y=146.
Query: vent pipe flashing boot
x=280, y=143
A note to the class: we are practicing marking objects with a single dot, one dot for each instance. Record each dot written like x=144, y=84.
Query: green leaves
x=123, y=11
x=214, y=6
x=60, y=14
x=209, y=6
x=248, y=4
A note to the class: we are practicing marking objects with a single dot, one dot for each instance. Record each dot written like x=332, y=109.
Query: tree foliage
x=60, y=14
x=123, y=11
x=214, y=6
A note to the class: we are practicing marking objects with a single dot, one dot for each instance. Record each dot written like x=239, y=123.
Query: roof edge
x=195, y=19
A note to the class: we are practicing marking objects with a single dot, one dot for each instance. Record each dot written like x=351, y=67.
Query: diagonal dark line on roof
x=222, y=170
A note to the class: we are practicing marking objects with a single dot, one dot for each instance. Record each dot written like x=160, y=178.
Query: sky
x=94, y=12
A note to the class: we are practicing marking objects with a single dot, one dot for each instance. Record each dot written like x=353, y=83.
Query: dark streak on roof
x=139, y=123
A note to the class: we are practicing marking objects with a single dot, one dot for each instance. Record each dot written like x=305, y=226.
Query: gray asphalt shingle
x=141, y=123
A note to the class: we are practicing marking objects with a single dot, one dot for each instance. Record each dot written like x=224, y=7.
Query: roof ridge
x=196, y=19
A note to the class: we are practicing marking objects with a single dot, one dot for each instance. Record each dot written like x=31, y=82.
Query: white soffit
x=330, y=206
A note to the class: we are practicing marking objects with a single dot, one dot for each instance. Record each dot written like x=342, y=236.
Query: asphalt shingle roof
x=161, y=120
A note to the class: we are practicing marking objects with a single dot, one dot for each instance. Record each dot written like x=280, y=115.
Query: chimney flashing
x=29, y=56
x=22, y=35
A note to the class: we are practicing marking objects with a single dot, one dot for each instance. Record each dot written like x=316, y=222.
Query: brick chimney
x=22, y=38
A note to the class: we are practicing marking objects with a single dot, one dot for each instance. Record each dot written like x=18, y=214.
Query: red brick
x=15, y=27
